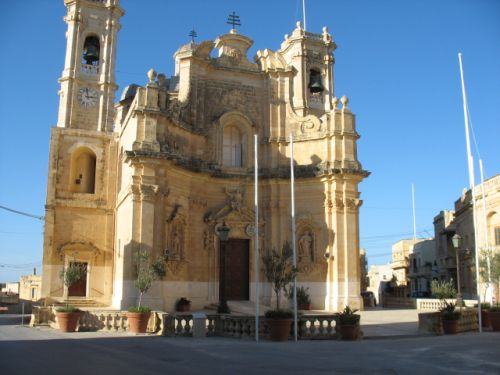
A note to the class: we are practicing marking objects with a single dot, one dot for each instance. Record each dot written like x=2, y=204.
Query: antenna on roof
x=234, y=20
x=193, y=35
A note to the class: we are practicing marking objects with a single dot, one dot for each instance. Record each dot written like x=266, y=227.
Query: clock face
x=87, y=97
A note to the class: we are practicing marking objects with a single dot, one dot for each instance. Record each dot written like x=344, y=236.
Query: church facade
x=167, y=165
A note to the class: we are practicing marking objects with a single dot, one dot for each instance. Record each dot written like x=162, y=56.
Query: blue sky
x=396, y=61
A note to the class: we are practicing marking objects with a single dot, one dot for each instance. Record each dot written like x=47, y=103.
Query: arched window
x=232, y=147
x=82, y=175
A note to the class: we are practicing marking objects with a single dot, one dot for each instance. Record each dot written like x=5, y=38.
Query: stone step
x=80, y=303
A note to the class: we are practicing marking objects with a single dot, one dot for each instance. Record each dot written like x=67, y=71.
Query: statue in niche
x=176, y=242
x=306, y=248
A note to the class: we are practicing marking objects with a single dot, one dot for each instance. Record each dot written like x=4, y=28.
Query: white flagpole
x=470, y=163
x=304, y=13
x=414, y=215
x=292, y=184
x=256, y=236
x=488, y=292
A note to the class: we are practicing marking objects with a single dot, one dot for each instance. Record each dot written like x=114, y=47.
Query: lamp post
x=223, y=233
x=457, y=244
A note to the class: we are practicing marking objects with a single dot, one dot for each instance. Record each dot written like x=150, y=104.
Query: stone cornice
x=201, y=166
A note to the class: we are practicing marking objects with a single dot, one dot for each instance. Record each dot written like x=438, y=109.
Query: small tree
x=72, y=274
x=494, y=258
x=279, y=270
x=443, y=289
x=147, y=272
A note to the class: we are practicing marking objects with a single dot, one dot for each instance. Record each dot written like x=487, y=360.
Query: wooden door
x=236, y=278
x=79, y=289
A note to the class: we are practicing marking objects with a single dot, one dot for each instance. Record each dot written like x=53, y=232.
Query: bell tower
x=311, y=56
x=88, y=80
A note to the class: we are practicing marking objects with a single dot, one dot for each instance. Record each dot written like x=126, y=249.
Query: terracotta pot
x=304, y=306
x=495, y=320
x=450, y=327
x=349, y=332
x=184, y=307
x=68, y=321
x=279, y=329
x=138, y=322
x=485, y=318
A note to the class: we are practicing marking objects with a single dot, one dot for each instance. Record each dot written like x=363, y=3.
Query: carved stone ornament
x=250, y=230
x=307, y=124
x=74, y=248
x=234, y=213
x=353, y=203
x=339, y=203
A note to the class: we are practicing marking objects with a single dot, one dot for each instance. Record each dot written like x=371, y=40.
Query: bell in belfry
x=315, y=84
x=91, y=51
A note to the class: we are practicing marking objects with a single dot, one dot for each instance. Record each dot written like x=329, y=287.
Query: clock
x=87, y=97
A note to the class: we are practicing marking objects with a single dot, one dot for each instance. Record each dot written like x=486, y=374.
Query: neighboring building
x=30, y=287
x=400, y=260
x=445, y=252
x=378, y=276
x=172, y=161
x=11, y=288
x=488, y=231
x=423, y=267
x=363, y=274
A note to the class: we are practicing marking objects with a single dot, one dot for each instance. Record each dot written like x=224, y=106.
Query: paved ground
x=47, y=351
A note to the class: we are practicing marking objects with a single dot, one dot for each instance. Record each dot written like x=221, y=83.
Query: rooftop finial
x=193, y=35
x=234, y=20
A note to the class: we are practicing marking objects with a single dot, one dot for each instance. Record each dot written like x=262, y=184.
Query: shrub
x=448, y=311
x=279, y=270
x=147, y=272
x=140, y=310
x=443, y=289
x=347, y=317
x=279, y=314
x=68, y=309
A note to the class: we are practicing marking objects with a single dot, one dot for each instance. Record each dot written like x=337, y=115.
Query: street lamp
x=457, y=244
x=223, y=233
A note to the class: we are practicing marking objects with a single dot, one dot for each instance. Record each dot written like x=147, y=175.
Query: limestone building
x=163, y=168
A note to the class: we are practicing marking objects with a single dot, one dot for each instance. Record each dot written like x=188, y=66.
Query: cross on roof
x=193, y=35
x=234, y=20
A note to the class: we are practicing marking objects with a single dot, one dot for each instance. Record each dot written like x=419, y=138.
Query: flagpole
x=304, y=13
x=292, y=184
x=414, y=215
x=256, y=236
x=470, y=163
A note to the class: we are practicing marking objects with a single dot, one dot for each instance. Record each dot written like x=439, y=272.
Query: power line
x=41, y=218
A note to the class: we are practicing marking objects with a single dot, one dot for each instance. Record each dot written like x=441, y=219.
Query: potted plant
x=485, y=314
x=147, y=273
x=303, y=298
x=68, y=316
x=348, y=322
x=450, y=318
x=494, y=315
x=279, y=272
x=183, y=305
